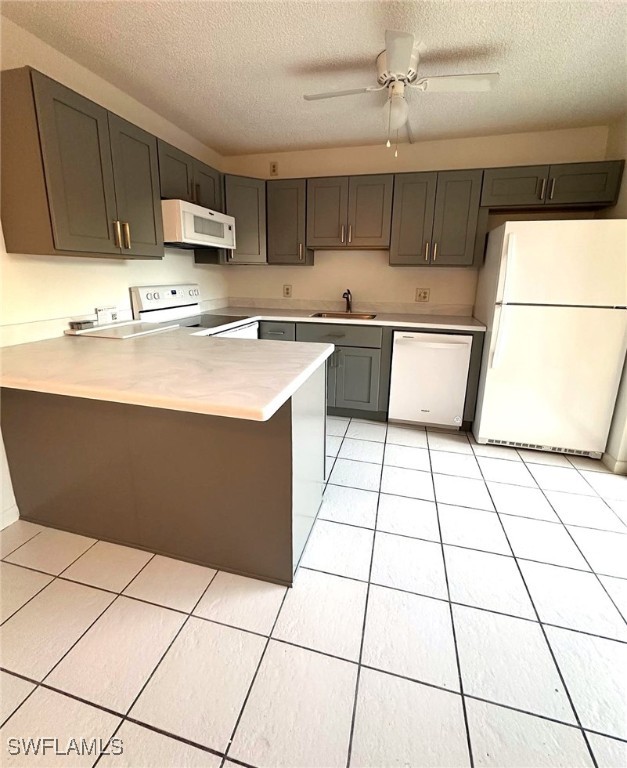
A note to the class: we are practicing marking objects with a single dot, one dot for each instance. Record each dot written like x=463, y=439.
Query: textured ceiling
x=233, y=73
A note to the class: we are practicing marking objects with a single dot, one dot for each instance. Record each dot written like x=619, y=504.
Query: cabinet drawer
x=277, y=331
x=341, y=335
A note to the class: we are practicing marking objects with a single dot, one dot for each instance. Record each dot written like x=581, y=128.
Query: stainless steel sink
x=345, y=315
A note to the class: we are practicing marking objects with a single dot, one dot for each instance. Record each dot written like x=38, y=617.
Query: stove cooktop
x=206, y=320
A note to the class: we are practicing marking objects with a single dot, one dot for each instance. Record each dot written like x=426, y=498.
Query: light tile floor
x=456, y=605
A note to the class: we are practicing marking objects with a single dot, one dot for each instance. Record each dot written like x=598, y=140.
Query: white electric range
x=181, y=303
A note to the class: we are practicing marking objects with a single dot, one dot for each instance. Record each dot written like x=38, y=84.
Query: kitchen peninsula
x=208, y=450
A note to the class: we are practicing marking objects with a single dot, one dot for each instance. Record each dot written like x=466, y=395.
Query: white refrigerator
x=553, y=296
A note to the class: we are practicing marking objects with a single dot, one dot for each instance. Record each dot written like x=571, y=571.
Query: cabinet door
x=74, y=135
x=327, y=212
x=246, y=201
x=511, y=187
x=136, y=179
x=286, y=221
x=176, y=173
x=357, y=378
x=412, y=218
x=208, y=187
x=455, y=218
x=370, y=211
x=580, y=183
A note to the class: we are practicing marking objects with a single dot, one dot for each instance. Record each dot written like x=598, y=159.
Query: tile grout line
x=158, y=664
x=363, y=626
x=19, y=546
x=252, y=682
x=450, y=607
x=548, y=644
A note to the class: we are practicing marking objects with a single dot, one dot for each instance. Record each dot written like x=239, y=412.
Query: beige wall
x=616, y=456
x=39, y=293
x=565, y=146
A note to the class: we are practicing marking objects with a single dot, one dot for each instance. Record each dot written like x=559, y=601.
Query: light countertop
x=427, y=322
x=175, y=370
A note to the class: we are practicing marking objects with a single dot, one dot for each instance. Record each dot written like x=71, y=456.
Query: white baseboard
x=614, y=465
x=9, y=515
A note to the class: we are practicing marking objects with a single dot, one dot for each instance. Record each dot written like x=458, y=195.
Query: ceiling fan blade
x=333, y=94
x=398, y=49
x=458, y=83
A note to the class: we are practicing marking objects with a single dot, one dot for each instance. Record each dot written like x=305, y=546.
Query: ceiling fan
x=397, y=70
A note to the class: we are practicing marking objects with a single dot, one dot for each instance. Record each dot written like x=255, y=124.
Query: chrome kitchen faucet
x=349, y=299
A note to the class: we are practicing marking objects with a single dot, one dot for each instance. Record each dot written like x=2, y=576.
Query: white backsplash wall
x=373, y=283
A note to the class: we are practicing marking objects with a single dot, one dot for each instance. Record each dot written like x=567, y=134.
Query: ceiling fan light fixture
x=399, y=111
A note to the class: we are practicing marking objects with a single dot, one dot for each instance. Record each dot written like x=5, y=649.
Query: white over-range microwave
x=186, y=225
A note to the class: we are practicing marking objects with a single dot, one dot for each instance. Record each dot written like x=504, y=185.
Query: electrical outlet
x=287, y=291
x=274, y=168
x=422, y=294
x=106, y=315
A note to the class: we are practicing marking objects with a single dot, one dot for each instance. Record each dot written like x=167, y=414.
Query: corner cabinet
x=567, y=184
x=353, y=212
x=182, y=177
x=76, y=179
x=286, y=221
x=246, y=201
x=434, y=218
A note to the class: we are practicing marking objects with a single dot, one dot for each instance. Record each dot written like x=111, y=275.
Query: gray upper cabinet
x=512, y=187
x=285, y=200
x=412, y=218
x=136, y=180
x=176, y=173
x=354, y=213
x=76, y=153
x=369, y=211
x=327, y=212
x=246, y=201
x=455, y=218
x=208, y=190
x=566, y=184
x=434, y=219
x=183, y=177
x=584, y=183
x=76, y=180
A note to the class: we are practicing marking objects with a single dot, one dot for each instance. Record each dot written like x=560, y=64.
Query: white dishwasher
x=429, y=375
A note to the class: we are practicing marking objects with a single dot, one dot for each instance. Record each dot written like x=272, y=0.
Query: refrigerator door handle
x=509, y=257
x=499, y=342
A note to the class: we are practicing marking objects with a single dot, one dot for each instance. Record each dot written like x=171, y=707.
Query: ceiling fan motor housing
x=385, y=77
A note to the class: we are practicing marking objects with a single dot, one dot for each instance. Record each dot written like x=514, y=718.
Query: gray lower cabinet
x=286, y=218
x=277, y=331
x=76, y=179
x=246, y=201
x=566, y=184
x=353, y=212
x=434, y=218
x=357, y=373
x=136, y=180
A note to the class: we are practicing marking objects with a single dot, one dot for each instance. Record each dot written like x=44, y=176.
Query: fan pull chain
x=396, y=147
x=388, y=143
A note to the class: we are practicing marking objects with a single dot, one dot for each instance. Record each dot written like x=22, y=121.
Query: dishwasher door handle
x=432, y=344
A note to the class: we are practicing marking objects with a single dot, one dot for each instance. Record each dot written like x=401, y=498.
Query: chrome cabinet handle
x=552, y=189
x=542, y=189
x=275, y=333
x=342, y=234
x=126, y=229
x=350, y=233
x=435, y=251
x=117, y=234
x=427, y=251
x=300, y=251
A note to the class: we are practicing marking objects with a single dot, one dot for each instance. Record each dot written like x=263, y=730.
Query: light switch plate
x=287, y=291
x=422, y=294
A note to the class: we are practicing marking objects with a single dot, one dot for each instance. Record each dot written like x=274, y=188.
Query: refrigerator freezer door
x=550, y=376
x=570, y=263
x=429, y=376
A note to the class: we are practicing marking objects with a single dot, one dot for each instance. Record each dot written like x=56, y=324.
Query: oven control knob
x=155, y=296
x=191, y=292
x=196, y=292
x=149, y=296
